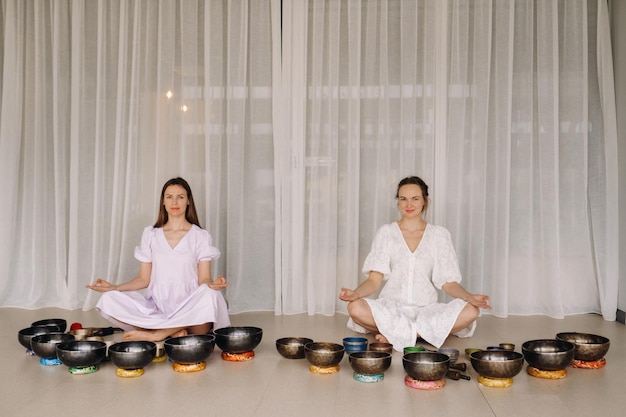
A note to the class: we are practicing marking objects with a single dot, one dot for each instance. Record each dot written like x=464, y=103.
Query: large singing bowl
x=324, y=354
x=45, y=345
x=238, y=339
x=292, y=347
x=426, y=366
x=80, y=354
x=25, y=336
x=497, y=363
x=133, y=354
x=548, y=354
x=190, y=349
x=60, y=324
x=587, y=347
x=370, y=362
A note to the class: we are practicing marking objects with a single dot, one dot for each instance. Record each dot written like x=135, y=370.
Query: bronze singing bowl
x=370, y=362
x=497, y=363
x=548, y=354
x=587, y=347
x=239, y=339
x=133, y=354
x=324, y=354
x=292, y=347
x=79, y=354
x=45, y=345
x=190, y=349
x=426, y=366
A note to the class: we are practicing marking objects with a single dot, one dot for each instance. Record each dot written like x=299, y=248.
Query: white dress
x=408, y=302
x=173, y=297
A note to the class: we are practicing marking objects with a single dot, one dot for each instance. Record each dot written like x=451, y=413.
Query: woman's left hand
x=479, y=300
x=219, y=284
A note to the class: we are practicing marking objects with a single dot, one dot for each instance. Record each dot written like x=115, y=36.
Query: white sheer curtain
x=102, y=102
x=504, y=108
x=293, y=122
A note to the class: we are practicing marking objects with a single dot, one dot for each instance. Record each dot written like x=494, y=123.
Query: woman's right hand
x=101, y=285
x=348, y=295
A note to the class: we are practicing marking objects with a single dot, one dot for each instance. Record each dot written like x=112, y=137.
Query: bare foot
x=380, y=338
x=153, y=335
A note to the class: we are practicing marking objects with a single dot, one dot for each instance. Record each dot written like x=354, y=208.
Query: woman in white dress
x=415, y=258
x=175, y=256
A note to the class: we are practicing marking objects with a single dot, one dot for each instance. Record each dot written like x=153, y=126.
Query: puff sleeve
x=379, y=259
x=446, y=267
x=143, y=252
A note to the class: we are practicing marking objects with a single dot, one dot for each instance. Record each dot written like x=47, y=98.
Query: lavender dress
x=173, y=297
x=408, y=302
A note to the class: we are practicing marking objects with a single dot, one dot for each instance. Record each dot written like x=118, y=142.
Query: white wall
x=618, y=32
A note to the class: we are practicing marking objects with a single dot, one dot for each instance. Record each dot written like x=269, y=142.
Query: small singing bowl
x=370, y=362
x=469, y=351
x=190, y=349
x=60, y=324
x=507, y=346
x=240, y=339
x=381, y=347
x=25, y=336
x=587, y=347
x=292, y=347
x=497, y=363
x=81, y=354
x=426, y=366
x=548, y=354
x=133, y=354
x=355, y=344
x=412, y=349
x=45, y=345
x=452, y=353
x=82, y=334
x=324, y=354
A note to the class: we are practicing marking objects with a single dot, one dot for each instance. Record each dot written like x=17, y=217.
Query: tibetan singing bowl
x=324, y=354
x=45, y=345
x=548, y=354
x=497, y=363
x=426, y=366
x=292, y=347
x=370, y=362
x=240, y=339
x=189, y=349
x=25, y=336
x=60, y=324
x=132, y=354
x=81, y=354
x=587, y=347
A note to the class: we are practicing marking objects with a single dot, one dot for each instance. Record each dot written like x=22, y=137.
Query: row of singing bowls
x=191, y=348
x=497, y=363
x=548, y=354
x=45, y=345
x=426, y=366
x=238, y=339
x=133, y=354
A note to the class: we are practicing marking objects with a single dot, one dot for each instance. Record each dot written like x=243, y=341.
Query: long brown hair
x=190, y=212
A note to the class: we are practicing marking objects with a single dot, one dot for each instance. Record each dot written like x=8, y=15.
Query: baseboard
x=621, y=316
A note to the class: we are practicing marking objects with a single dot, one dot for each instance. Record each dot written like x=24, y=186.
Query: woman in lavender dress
x=175, y=271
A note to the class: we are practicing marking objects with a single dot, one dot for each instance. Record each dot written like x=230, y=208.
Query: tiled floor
x=270, y=385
